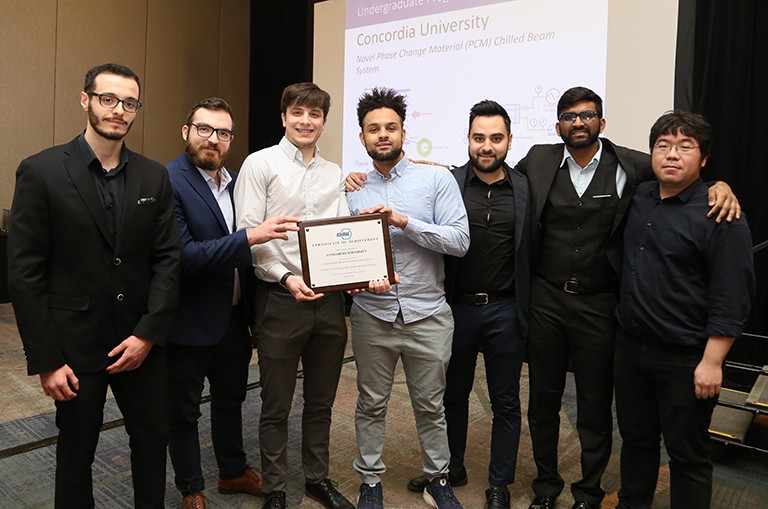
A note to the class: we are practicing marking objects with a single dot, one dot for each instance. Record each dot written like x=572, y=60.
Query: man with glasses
x=293, y=323
x=210, y=336
x=94, y=258
x=580, y=191
x=685, y=294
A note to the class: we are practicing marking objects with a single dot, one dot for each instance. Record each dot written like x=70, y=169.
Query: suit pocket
x=69, y=302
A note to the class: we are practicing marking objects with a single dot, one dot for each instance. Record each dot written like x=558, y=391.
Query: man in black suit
x=94, y=257
x=210, y=337
x=580, y=191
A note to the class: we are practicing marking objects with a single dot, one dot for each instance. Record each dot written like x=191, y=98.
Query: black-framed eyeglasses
x=110, y=101
x=205, y=131
x=569, y=117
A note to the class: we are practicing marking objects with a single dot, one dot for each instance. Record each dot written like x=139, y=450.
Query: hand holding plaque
x=345, y=253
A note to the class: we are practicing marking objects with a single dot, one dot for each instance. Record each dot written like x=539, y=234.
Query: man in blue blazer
x=210, y=336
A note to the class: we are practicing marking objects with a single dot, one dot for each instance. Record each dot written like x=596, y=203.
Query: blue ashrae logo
x=345, y=234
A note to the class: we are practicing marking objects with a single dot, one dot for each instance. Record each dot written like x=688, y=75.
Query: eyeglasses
x=111, y=102
x=663, y=147
x=569, y=117
x=205, y=131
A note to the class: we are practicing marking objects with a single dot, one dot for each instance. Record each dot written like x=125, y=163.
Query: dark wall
x=722, y=72
x=281, y=54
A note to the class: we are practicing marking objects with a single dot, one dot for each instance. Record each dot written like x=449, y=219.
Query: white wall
x=640, y=76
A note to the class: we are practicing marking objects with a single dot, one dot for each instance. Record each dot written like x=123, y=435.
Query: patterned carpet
x=26, y=479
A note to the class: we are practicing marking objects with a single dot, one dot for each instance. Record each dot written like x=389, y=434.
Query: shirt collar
x=88, y=156
x=293, y=152
x=471, y=175
x=596, y=159
x=398, y=169
x=224, y=177
x=685, y=195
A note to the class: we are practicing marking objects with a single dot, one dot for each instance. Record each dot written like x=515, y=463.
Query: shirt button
x=642, y=248
x=120, y=297
x=109, y=205
x=576, y=249
x=581, y=203
x=578, y=227
x=648, y=224
x=117, y=261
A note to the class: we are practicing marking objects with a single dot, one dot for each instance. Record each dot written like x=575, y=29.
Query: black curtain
x=723, y=75
x=281, y=54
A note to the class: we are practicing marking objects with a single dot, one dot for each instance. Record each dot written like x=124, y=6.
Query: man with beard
x=94, y=257
x=210, y=336
x=580, y=191
x=293, y=323
x=488, y=293
x=412, y=322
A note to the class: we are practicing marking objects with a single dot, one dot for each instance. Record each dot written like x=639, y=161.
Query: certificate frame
x=345, y=253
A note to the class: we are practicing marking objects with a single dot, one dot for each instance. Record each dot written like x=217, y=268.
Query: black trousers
x=655, y=397
x=580, y=329
x=142, y=396
x=494, y=329
x=225, y=364
x=288, y=332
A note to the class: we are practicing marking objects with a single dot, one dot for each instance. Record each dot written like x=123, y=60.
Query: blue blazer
x=209, y=255
x=522, y=244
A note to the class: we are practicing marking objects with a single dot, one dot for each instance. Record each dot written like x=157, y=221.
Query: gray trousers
x=425, y=348
x=289, y=331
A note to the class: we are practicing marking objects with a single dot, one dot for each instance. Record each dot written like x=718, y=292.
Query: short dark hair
x=381, y=97
x=576, y=95
x=305, y=94
x=488, y=108
x=687, y=123
x=116, y=69
x=213, y=104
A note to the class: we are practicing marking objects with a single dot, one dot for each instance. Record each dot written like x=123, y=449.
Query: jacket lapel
x=83, y=182
x=198, y=183
x=131, y=199
x=520, y=190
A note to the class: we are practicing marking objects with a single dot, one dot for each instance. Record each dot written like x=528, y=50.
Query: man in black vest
x=580, y=191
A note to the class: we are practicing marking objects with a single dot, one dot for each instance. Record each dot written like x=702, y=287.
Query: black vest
x=575, y=230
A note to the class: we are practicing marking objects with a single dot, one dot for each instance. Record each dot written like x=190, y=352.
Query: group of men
x=128, y=276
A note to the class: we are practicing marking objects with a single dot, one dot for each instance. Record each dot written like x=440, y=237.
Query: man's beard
x=390, y=155
x=104, y=133
x=495, y=165
x=205, y=161
x=585, y=142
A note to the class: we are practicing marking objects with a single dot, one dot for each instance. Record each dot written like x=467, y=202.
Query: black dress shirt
x=685, y=277
x=489, y=265
x=110, y=185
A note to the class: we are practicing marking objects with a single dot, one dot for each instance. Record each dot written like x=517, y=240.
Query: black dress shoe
x=542, y=503
x=580, y=504
x=496, y=498
x=325, y=492
x=274, y=500
x=456, y=479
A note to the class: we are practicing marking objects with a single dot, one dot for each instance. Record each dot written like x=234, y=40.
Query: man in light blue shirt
x=412, y=321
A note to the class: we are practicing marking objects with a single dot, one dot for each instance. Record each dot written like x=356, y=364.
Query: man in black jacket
x=93, y=258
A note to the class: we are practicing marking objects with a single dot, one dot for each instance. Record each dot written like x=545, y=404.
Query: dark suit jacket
x=522, y=244
x=541, y=164
x=77, y=295
x=209, y=255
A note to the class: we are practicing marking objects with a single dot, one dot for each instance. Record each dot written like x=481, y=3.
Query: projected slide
x=446, y=55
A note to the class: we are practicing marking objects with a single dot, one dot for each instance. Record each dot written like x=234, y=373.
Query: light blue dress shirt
x=437, y=225
x=581, y=177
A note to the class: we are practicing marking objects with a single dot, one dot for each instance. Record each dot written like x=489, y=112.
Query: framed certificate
x=345, y=253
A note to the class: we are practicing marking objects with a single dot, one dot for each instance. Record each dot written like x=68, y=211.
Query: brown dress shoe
x=194, y=501
x=249, y=483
